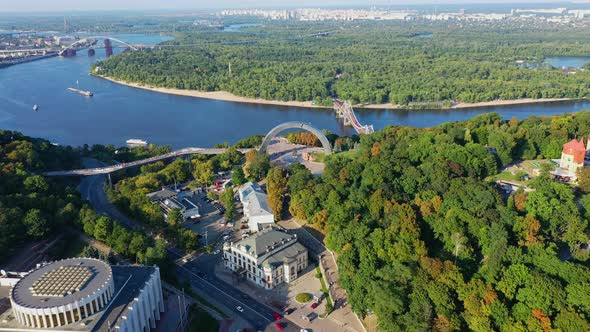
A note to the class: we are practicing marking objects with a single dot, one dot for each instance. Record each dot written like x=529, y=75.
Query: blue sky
x=69, y=5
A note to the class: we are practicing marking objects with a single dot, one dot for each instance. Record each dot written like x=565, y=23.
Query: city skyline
x=64, y=5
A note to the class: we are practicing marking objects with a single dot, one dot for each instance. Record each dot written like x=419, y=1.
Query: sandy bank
x=227, y=96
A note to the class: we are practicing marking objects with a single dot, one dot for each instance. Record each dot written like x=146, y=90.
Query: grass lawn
x=201, y=321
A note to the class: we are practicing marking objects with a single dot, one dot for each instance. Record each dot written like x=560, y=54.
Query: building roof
x=254, y=199
x=574, y=145
x=161, y=194
x=129, y=283
x=269, y=243
x=284, y=255
x=575, y=148
x=61, y=282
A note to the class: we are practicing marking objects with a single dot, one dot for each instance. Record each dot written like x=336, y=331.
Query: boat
x=134, y=143
x=36, y=107
x=82, y=92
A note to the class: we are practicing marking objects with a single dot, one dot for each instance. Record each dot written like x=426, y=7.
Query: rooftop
x=129, y=281
x=255, y=199
x=269, y=243
x=161, y=194
x=61, y=282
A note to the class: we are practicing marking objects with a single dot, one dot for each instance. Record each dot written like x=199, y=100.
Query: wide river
x=117, y=113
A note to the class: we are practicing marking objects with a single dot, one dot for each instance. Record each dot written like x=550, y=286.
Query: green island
x=414, y=65
x=424, y=239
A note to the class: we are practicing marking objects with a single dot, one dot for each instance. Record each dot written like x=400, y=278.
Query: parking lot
x=212, y=226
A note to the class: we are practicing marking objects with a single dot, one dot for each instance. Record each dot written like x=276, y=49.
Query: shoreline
x=228, y=96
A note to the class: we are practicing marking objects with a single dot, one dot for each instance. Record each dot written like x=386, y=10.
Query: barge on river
x=82, y=92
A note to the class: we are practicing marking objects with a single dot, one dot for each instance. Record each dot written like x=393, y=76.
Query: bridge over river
x=189, y=151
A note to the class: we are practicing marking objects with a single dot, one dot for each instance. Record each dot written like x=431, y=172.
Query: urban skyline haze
x=66, y=5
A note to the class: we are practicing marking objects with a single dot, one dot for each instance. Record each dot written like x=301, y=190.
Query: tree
x=36, y=224
x=36, y=183
x=137, y=244
x=227, y=199
x=203, y=172
x=103, y=228
x=238, y=177
x=276, y=186
x=175, y=217
x=583, y=175
x=258, y=166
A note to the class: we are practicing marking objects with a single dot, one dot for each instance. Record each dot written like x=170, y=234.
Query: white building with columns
x=83, y=294
x=267, y=258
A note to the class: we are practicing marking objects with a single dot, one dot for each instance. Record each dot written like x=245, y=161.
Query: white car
x=216, y=252
x=240, y=309
x=303, y=330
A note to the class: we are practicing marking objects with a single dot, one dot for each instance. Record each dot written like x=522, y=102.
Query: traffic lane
x=204, y=267
x=252, y=312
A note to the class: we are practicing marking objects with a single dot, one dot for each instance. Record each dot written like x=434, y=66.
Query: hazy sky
x=69, y=5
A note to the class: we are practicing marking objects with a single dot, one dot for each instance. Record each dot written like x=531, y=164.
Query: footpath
x=342, y=314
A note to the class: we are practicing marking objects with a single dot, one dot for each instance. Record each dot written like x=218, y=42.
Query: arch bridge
x=86, y=39
x=295, y=125
x=188, y=151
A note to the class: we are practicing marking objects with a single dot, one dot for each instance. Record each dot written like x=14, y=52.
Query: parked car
x=314, y=305
x=279, y=326
x=276, y=316
x=240, y=309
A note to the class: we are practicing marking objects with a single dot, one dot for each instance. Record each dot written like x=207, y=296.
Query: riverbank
x=216, y=95
x=227, y=96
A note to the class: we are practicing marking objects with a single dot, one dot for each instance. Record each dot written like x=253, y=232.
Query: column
x=44, y=321
x=58, y=318
x=37, y=319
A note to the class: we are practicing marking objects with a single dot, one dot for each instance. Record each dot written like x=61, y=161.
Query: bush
x=303, y=297
x=318, y=275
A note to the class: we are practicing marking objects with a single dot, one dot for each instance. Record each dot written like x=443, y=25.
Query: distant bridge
x=188, y=151
x=345, y=111
x=73, y=45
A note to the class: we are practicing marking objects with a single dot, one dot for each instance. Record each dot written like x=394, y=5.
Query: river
x=117, y=113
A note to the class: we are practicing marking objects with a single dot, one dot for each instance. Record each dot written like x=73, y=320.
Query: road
x=199, y=271
x=92, y=190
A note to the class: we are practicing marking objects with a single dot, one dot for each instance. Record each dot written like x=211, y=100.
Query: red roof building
x=572, y=155
x=576, y=149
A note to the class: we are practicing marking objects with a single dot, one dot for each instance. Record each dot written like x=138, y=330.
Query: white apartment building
x=267, y=258
x=256, y=209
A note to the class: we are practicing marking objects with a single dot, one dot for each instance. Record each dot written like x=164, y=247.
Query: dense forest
x=370, y=62
x=428, y=244
x=31, y=206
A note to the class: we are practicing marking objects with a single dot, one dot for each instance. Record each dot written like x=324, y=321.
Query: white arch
x=295, y=125
x=80, y=41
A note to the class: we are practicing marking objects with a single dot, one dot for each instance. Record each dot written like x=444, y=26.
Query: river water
x=117, y=113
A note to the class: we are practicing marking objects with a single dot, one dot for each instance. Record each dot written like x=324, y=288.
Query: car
x=303, y=330
x=314, y=305
x=216, y=252
x=240, y=309
x=225, y=237
x=279, y=326
x=276, y=316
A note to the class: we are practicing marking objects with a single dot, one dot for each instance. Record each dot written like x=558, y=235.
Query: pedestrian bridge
x=189, y=151
x=113, y=168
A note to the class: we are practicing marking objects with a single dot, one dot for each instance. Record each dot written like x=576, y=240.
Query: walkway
x=342, y=314
x=110, y=169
